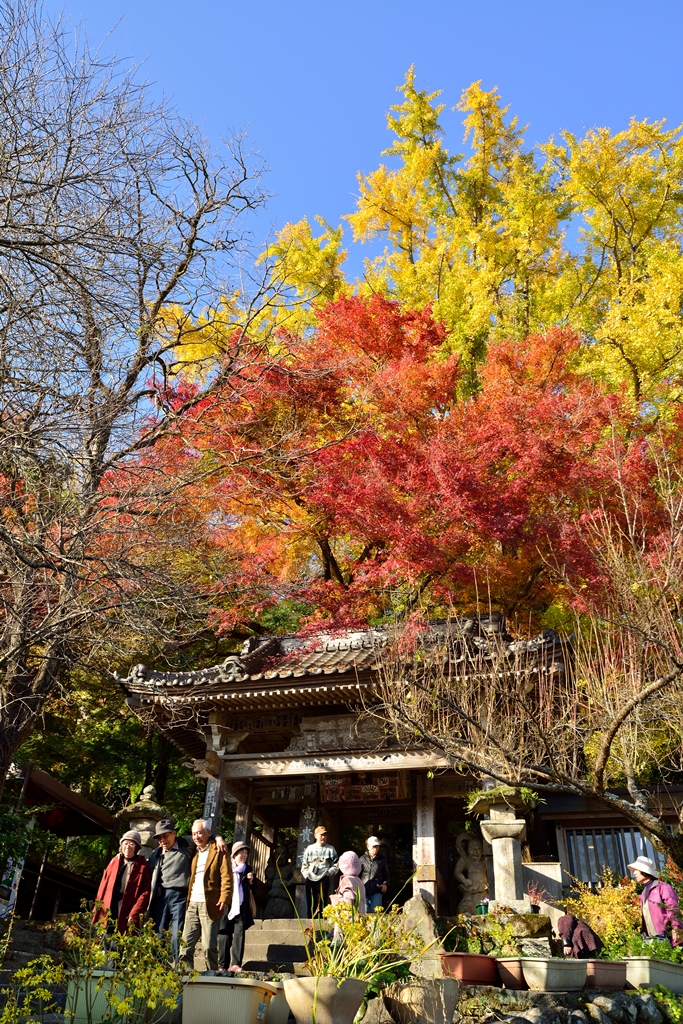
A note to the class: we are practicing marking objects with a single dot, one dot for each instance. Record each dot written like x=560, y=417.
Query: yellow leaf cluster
x=614, y=909
x=507, y=240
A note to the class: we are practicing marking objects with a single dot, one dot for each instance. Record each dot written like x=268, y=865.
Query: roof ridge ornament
x=232, y=670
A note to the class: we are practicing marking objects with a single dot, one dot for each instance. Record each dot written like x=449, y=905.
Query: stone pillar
x=143, y=816
x=505, y=833
x=424, y=841
x=305, y=838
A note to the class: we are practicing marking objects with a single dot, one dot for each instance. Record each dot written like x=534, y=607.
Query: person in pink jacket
x=350, y=889
x=659, y=902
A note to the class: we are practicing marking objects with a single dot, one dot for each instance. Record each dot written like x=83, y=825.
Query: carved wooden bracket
x=221, y=739
x=205, y=767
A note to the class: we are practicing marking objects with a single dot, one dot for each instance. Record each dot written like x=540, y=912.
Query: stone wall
x=483, y=1004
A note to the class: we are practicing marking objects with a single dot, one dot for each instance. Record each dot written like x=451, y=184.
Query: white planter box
x=648, y=970
x=85, y=1001
x=547, y=974
x=90, y=1005
x=226, y=1001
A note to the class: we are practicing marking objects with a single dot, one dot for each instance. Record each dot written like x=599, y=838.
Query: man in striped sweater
x=320, y=863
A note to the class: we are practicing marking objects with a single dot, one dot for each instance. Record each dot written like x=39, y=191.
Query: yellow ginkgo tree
x=507, y=240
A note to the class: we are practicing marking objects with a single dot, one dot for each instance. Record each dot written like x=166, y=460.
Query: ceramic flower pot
x=511, y=973
x=548, y=974
x=649, y=970
x=332, y=1003
x=422, y=999
x=278, y=1010
x=470, y=968
x=605, y=974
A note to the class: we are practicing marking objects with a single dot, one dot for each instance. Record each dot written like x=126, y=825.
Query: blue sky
x=312, y=81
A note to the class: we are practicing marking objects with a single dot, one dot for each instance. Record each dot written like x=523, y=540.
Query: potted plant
x=358, y=960
x=217, y=1000
x=552, y=974
x=606, y=974
x=467, y=958
x=537, y=895
x=127, y=979
x=647, y=961
x=613, y=911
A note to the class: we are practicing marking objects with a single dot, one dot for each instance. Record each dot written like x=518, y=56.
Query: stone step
x=275, y=951
x=276, y=943
x=270, y=945
x=279, y=924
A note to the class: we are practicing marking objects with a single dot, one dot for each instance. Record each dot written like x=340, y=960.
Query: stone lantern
x=505, y=832
x=143, y=815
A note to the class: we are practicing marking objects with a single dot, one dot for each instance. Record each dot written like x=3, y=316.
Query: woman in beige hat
x=126, y=884
x=659, y=902
x=239, y=914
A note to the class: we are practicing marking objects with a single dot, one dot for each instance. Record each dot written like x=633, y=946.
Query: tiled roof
x=330, y=668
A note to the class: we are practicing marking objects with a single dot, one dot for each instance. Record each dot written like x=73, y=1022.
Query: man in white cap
x=659, y=902
x=126, y=884
x=374, y=874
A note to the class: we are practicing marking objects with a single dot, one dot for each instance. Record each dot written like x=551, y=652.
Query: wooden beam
x=246, y=766
x=237, y=789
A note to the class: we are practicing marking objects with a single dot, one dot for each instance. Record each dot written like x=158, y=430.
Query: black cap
x=165, y=825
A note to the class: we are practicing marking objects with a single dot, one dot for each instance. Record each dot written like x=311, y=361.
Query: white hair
x=203, y=823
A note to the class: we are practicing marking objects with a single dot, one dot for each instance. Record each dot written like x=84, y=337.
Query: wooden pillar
x=424, y=841
x=243, y=821
x=214, y=799
x=307, y=818
x=330, y=823
x=268, y=833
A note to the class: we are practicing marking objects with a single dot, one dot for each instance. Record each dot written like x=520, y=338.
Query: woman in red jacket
x=126, y=884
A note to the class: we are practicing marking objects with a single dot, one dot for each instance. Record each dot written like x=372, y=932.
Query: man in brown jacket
x=209, y=893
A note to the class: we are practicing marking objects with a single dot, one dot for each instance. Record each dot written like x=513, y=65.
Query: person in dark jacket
x=579, y=939
x=171, y=866
x=374, y=874
x=239, y=915
x=126, y=884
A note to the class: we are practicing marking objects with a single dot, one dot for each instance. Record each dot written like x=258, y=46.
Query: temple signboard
x=363, y=787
